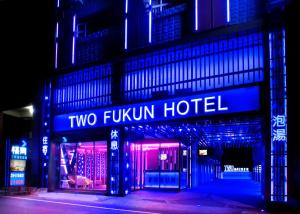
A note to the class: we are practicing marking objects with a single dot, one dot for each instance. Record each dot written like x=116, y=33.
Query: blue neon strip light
x=58, y=3
x=223, y=102
x=56, y=44
x=278, y=101
x=228, y=11
x=126, y=33
x=196, y=15
x=73, y=41
x=74, y=23
x=56, y=34
x=150, y=21
x=56, y=52
x=125, y=45
x=285, y=112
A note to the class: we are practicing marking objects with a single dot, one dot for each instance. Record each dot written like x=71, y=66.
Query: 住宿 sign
x=223, y=102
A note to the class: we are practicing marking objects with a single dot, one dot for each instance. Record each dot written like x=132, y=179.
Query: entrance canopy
x=236, y=132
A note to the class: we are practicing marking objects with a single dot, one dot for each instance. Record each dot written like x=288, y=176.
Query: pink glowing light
x=153, y=146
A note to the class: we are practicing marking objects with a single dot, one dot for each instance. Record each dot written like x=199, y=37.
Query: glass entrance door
x=158, y=164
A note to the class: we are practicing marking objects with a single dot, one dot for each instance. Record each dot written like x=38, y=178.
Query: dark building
x=23, y=56
x=161, y=94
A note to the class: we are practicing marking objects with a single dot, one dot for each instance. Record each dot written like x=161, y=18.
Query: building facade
x=163, y=94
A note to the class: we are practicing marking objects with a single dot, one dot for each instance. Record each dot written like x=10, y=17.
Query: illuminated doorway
x=158, y=164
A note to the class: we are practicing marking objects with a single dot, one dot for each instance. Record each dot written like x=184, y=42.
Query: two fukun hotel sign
x=223, y=102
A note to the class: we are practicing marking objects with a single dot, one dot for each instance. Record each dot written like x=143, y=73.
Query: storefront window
x=83, y=165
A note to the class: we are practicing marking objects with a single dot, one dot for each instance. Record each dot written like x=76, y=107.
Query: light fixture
x=30, y=109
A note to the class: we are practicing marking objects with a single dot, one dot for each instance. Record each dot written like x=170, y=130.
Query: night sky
x=25, y=48
x=27, y=40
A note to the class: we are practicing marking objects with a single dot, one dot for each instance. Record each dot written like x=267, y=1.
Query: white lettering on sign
x=129, y=114
x=220, y=108
x=114, y=136
x=45, y=140
x=15, y=150
x=82, y=120
x=196, y=101
x=172, y=109
x=231, y=168
x=187, y=107
x=114, y=145
x=137, y=113
x=45, y=150
x=279, y=128
x=23, y=151
x=207, y=104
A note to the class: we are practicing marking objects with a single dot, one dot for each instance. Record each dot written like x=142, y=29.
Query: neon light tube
x=56, y=51
x=126, y=7
x=73, y=50
x=196, y=15
x=56, y=34
x=73, y=42
x=56, y=45
x=74, y=23
x=228, y=11
x=125, y=45
x=150, y=22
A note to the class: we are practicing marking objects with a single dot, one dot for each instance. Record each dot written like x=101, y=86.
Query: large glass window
x=83, y=165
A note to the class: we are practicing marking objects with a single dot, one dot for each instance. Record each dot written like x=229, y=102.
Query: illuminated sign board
x=202, y=152
x=223, y=102
x=231, y=168
x=114, y=160
x=17, y=178
x=19, y=152
x=18, y=164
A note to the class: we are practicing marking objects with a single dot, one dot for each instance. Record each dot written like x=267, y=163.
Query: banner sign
x=222, y=102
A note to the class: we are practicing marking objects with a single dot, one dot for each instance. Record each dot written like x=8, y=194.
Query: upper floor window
x=211, y=14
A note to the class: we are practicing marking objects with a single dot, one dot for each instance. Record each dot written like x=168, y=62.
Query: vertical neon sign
x=45, y=131
x=114, y=161
x=18, y=164
x=278, y=117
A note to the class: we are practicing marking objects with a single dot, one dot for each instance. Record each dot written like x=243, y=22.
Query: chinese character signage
x=279, y=128
x=19, y=152
x=278, y=116
x=18, y=164
x=114, y=160
x=45, y=145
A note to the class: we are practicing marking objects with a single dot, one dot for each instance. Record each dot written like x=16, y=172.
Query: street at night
x=229, y=196
x=149, y=106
